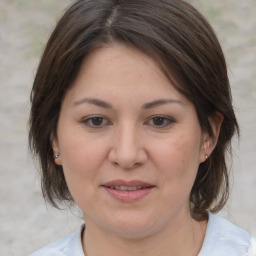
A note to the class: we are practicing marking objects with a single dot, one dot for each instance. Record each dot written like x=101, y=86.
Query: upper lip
x=132, y=183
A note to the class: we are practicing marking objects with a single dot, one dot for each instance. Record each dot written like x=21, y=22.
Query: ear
x=209, y=141
x=56, y=152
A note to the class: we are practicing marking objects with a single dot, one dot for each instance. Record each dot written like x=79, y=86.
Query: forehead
x=115, y=68
x=120, y=57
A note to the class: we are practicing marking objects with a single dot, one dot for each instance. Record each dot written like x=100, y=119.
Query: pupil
x=97, y=120
x=158, y=120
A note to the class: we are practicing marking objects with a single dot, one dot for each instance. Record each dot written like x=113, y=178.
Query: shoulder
x=224, y=238
x=68, y=245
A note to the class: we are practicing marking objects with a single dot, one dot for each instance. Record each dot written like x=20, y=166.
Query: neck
x=179, y=240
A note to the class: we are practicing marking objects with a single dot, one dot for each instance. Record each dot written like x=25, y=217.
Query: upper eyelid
x=168, y=118
x=93, y=116
x=90, y=117
x=161, y=116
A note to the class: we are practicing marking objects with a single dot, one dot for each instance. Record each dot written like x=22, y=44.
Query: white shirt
x=222, y=239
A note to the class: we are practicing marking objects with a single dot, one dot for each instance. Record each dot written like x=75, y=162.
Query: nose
x=127, y=150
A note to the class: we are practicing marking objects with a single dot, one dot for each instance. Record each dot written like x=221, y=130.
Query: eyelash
x=89, y=121
x=165, y=122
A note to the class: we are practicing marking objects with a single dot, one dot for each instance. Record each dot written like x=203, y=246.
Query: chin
x=132, y=228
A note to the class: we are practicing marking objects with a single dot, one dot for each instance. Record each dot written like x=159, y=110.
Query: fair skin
x=123, y=124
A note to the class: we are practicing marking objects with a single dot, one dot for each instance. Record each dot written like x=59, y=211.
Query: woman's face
x=130, y=144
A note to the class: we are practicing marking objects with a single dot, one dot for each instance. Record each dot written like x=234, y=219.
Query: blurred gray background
x=25, y=222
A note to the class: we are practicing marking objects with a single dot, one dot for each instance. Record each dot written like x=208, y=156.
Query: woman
x=131, y=120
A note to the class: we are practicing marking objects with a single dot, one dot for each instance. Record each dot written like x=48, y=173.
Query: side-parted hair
x=183, y=44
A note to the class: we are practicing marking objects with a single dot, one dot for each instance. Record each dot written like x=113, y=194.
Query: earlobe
x=210, y=141
x=57, y=159
x=56, y=152
x=205, y=148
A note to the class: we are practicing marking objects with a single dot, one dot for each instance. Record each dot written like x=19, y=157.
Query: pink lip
x=132, y=183
x=128, y=195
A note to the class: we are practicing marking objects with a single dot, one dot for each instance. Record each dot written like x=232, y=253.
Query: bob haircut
x=185, y=47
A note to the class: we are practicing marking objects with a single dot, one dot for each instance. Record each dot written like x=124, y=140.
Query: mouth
x=126, y=188
x=128, y=191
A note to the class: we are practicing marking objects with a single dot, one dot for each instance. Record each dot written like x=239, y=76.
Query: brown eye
x=96, y=122
x=160, y=121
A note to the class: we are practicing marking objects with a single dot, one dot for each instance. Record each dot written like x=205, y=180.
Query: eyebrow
x=160, y=102
x=105, y=104
x=93, y=101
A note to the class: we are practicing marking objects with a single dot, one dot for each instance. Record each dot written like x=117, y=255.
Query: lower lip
x=128, y=196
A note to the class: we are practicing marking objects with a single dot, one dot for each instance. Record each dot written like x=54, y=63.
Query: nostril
x=125, y=163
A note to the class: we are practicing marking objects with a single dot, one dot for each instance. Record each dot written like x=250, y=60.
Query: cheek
x=81, y=164
x=178, y=158
x=81, y=159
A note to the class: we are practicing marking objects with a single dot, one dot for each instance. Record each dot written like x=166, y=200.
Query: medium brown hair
x=184, y=45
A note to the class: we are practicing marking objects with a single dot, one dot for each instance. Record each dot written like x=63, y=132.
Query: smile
x=128, y=191
x=125, y=188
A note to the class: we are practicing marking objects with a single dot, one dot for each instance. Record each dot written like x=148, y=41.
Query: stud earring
x=57, y=160
x=206, y=157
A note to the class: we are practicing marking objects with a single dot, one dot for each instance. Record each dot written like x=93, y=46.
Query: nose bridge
x=127, y=150
x=126, y=139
